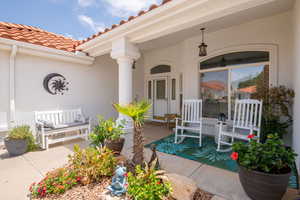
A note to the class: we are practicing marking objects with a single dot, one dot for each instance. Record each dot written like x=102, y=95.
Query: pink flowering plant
x=270, y=157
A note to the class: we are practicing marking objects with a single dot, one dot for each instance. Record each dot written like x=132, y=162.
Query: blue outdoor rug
x=207, y=154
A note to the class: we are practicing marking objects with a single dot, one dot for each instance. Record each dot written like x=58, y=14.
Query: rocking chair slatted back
x=191, y=121
x=192, y=111
x=247, y=115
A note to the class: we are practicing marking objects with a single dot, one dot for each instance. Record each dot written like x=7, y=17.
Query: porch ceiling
x=180, y=19
x=241, y=17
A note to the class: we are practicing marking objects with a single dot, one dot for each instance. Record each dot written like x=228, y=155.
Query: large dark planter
x=263, y=186
x=15, y=147
x=115, y=145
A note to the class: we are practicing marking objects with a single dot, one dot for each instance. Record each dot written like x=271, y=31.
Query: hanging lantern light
x=203, y=46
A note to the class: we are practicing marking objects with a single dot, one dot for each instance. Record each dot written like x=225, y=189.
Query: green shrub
x=147, y=184
x=23, y=133
x=277, y=109
x=270, y=157
x=55, y=182
x=105, y=130
x=92, y=164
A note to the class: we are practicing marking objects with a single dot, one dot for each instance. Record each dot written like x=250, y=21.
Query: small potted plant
x=19, y=141
x=108, y=133
x=264, y=169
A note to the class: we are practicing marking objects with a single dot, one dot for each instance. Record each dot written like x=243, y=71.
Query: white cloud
x=69, y=35
x=86, y=3
x=124, y=8
x=89, y=22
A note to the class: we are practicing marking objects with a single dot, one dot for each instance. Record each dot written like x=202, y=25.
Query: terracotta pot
x=263, y=186
x=115, y=145
x=15, y=147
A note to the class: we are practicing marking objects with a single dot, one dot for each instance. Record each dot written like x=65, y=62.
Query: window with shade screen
x=232, y=76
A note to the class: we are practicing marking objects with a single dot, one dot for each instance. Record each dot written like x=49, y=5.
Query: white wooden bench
x=50, y=124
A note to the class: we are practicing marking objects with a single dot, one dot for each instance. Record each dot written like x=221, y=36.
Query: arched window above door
x=160, y=69
x=236, y=58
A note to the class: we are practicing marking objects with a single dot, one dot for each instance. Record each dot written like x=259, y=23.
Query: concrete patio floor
x=17, y=173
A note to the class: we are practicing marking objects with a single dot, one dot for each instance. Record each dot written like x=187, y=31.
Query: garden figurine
x=154, y=156
x=119, y=182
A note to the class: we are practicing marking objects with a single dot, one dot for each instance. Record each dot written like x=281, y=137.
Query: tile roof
x=249, y=89
x=36, y=36
x=214, y=85
x=41, y=37
x=142, y=12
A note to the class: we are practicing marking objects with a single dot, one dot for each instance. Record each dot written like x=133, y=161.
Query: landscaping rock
x=183, y=188
x=108, y=197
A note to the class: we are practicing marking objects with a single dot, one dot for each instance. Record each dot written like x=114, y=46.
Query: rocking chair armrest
x=222, y=123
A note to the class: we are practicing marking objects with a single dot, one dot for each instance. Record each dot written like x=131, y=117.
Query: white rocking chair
x=246, y=120
x=191, y=115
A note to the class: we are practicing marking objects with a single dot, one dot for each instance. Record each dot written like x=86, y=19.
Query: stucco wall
x=275, y=30
x=4, y=89
x=296, y=77
x=93, y=88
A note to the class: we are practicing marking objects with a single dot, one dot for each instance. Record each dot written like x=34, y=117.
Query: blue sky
x=73, y=18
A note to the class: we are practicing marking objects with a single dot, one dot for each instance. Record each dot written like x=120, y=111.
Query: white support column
x=125, y=79
x=125, y=53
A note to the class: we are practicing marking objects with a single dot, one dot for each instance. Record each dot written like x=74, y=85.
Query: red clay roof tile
x=36, y=36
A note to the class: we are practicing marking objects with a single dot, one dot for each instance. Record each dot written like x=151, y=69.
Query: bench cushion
x=65, y=126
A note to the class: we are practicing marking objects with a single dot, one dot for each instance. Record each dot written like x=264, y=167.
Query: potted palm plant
x=108, y=133
x=264, y=169
x=137, y=112
x=19, y=141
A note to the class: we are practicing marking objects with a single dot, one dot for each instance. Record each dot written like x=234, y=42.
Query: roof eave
x=37, y=50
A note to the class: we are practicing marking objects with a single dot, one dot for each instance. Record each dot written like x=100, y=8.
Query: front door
x=160, y=98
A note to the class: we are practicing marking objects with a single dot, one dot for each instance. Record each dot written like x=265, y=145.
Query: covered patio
x=158, y=60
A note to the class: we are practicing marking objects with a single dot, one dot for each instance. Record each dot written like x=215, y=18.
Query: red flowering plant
x=85, y=166
x=148, y=183
x=270, y=157
x=55, y=182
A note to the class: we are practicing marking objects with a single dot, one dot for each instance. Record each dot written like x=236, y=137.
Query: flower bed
x=89, y=173
x=86, y=166
x=85, y=192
